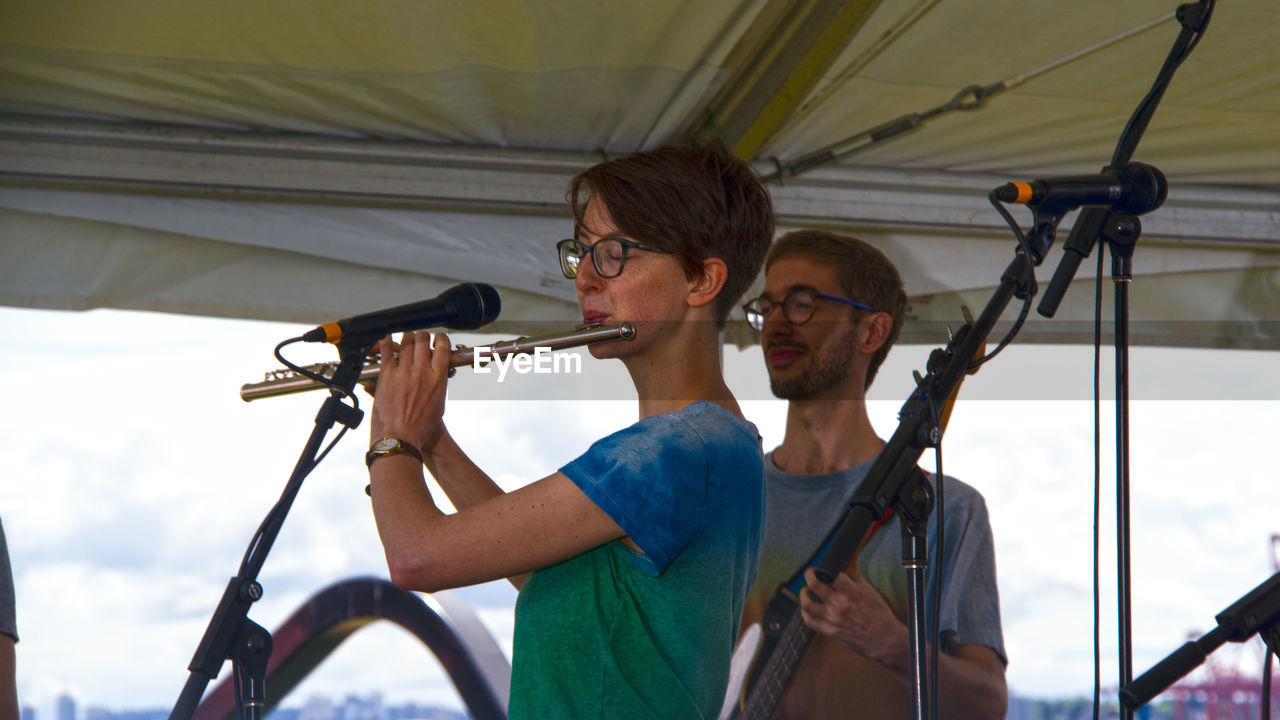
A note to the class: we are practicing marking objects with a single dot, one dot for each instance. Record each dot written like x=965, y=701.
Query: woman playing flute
x=633, y=560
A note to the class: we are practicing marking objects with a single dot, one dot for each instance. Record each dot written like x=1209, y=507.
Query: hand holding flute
x=412, y=384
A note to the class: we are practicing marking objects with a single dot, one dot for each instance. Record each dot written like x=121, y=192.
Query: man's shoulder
x=958, y=493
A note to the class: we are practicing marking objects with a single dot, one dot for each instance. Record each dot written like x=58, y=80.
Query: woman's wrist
x=390, y=445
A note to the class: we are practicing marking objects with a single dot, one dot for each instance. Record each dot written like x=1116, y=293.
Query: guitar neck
x=771, y=682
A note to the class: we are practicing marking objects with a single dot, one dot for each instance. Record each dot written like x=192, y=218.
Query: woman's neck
x=679, y=373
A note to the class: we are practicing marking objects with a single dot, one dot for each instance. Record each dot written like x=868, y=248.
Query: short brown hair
x=692, y=198
x=864, y=273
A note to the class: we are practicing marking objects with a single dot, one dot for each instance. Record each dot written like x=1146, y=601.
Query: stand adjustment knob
x=251, y=591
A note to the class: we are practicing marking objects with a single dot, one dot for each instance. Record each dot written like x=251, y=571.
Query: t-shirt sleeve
x=971, y=604
x=651, y=478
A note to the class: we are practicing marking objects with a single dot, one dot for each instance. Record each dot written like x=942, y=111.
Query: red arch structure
x=332, y=615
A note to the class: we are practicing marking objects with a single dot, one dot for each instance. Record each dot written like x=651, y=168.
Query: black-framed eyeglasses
x=608, y=255
x=797, y=307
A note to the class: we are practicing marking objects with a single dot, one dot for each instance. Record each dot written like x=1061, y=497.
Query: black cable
x=1194, y=19
x=239, y=692
x=278, y=509
x=1266, y=684
x=935, y=606
x=935, y=609
x=1025, y=249
x=1097, y=489
x=327, y=382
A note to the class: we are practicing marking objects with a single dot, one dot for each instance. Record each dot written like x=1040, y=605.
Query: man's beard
x=827, y=368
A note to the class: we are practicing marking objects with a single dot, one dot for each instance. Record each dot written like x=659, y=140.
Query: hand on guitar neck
x=853, y=613
x=854, y=663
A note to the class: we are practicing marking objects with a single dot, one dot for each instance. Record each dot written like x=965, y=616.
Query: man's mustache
x=772, y=344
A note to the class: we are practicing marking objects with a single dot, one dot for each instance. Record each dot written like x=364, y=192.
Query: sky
x=134, y=478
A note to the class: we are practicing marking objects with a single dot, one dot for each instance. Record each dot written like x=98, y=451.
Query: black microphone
x=1132, y=188
x=463, y=307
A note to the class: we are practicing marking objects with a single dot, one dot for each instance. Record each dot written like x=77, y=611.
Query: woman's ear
x=706, y=285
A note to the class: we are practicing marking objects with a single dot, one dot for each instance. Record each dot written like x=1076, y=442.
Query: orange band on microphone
x=1024, y=192
x=332, y=332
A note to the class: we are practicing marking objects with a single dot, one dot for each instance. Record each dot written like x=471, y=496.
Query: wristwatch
x=386, y=446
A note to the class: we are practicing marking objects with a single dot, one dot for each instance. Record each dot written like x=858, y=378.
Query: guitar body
x=744, y=656
x=834, y=683
x=814, y=678
x=757, y=648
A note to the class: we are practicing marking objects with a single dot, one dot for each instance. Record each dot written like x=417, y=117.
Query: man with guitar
x=831, y=309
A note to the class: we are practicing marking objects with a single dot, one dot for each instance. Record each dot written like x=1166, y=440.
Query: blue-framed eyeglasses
x=608, y=255
x=797, y=308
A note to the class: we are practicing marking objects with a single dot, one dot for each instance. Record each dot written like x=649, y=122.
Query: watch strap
x=394, y=446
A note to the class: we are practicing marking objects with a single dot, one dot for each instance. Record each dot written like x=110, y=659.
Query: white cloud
x=134, y=478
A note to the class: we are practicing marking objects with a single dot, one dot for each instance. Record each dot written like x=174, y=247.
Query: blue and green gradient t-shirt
x=616, y=634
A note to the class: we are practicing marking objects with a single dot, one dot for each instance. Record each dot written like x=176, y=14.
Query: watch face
x=386, y=444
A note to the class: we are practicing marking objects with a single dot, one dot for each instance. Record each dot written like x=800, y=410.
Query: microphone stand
x=231, y=634
x=1257, y=612
x=1121, y=232
x=894, y=480
x=1121, y=238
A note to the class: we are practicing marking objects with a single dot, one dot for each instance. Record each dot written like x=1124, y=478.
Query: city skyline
x=1197, y=691
x=314, y=707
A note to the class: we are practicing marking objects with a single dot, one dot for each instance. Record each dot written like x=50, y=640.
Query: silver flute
x=288, y=382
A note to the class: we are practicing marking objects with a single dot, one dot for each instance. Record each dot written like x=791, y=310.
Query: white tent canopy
x=305, y=161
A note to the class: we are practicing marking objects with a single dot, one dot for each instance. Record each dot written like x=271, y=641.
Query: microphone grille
x=477, y=305
x=1145, y=188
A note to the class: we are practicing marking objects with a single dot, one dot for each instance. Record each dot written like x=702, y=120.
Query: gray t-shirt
x=801, y=510
x=8, y=624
